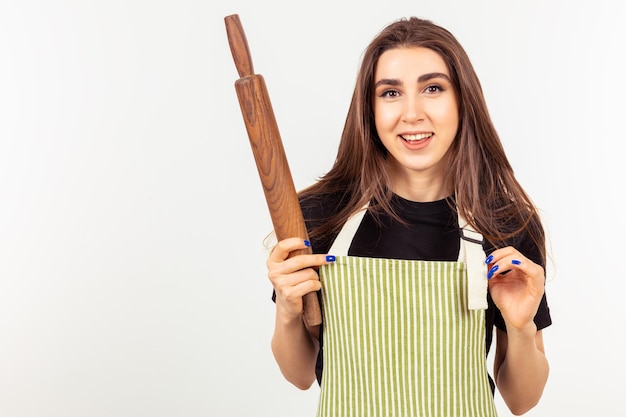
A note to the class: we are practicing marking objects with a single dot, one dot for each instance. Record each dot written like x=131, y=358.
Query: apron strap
x=471, y=253
x=342, y=242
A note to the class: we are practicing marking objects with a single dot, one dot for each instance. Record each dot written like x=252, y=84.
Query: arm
x=295, y=347
x=520, y=366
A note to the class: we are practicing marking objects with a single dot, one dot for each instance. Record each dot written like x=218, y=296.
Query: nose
x=413, y=110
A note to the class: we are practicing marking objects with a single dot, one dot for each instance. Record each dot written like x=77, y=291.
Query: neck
x=419, y=187
x=421, y=191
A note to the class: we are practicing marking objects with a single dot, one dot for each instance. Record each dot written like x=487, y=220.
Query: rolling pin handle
x=239, y=46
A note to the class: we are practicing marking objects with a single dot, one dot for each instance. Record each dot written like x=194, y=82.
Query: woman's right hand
x=294, y=277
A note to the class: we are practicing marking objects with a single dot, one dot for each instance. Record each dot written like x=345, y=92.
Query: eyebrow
x=420, y=79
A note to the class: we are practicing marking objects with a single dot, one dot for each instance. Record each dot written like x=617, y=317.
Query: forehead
x=410, y=62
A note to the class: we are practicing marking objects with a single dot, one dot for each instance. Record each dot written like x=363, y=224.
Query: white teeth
x=419, y=136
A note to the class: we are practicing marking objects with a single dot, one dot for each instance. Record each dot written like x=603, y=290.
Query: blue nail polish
x=307, y=243
x=489, y=259
x=330, y=258
x=516, y=262
x=492, y=271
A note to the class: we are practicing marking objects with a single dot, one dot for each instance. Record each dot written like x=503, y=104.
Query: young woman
x=423, y=241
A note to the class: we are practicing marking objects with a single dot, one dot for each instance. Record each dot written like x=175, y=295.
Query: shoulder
x=318, y=208
x=523, y=243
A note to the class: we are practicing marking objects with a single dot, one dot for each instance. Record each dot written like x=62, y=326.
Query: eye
x=389, y=93
x=434, y=89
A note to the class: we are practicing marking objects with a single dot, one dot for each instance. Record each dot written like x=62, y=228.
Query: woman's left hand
x=516, y=285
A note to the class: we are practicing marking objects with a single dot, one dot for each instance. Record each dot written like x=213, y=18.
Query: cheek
x=446, y=113
x=385, y=118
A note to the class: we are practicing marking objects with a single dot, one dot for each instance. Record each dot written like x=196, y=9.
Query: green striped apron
x=404, y=338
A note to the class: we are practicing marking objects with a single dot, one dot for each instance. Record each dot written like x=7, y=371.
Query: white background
x=132, y=276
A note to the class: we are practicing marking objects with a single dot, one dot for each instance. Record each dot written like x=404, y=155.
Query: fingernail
x=516, y=262
x=492, y=271
x=307, y=243
x=489, y=259
x=330, y=258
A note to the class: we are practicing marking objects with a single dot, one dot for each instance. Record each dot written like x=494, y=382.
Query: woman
x=420, y=192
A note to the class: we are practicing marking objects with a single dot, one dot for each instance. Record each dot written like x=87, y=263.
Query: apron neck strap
x=471, y=253
x=342, y=242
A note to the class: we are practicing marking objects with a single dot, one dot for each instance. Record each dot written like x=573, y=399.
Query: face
x=415, y=111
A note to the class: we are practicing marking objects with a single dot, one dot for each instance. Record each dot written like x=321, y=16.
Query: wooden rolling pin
x=269, y=153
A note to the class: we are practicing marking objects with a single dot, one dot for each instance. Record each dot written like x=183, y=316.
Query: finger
x=297, y=263
x=501, y=253
x=284, y=247
x=300, y=283
x=291, y=288
x=293, y=278
x=503, y=261
x=503, y=267
x=524, y=267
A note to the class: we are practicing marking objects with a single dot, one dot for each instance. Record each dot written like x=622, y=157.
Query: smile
x=416, y=137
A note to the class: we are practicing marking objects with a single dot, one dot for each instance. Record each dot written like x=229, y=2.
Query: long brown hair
x=487, y=193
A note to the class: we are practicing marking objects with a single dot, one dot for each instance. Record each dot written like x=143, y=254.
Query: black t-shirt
x=431, y=232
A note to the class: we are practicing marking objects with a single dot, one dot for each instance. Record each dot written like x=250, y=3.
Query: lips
x=416, y=137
